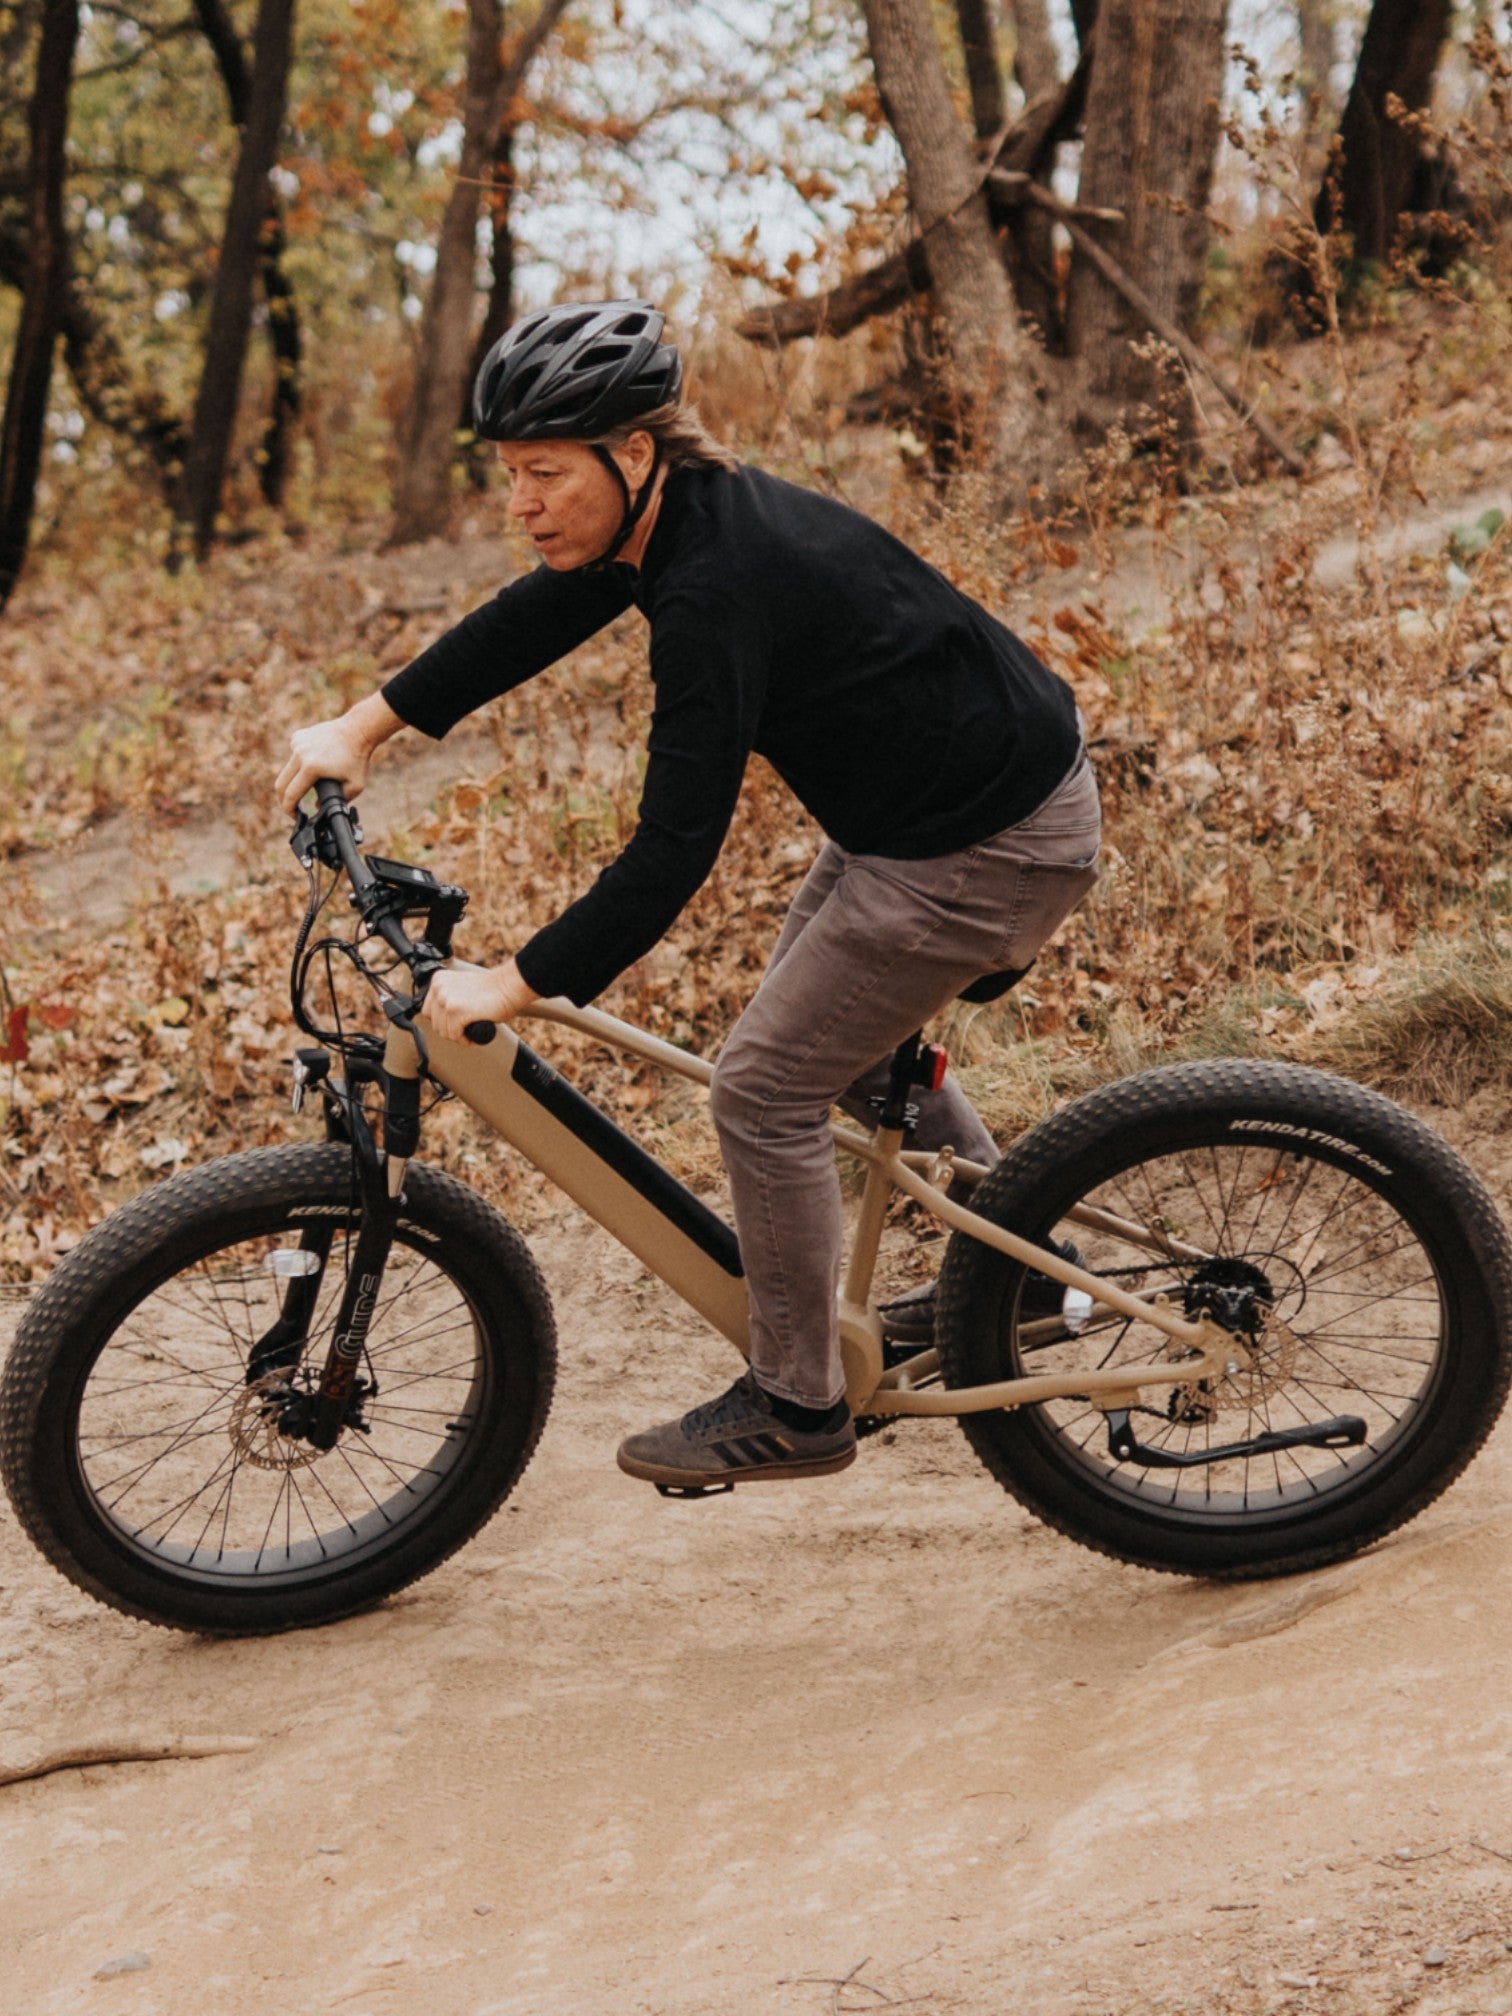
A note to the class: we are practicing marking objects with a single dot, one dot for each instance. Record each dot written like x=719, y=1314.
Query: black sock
x=807, y=1420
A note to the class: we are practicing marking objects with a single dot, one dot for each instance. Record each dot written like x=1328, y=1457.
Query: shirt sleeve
x=710, y=662
x=527, y=626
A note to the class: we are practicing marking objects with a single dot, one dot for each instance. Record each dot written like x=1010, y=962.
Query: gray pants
x=870, y=950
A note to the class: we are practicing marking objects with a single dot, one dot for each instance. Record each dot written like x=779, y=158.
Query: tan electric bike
x=272, y=1390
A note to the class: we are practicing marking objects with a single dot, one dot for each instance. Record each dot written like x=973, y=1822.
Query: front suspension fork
x=380, y=1176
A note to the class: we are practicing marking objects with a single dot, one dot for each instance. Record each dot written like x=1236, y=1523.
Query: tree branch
x=874, y=292
x=882, y=288
x=230, y=53
x=522, y=54
x=154, y=40
x=1013, y=189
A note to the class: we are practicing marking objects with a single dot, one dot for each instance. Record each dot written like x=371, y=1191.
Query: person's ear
x=640, y=453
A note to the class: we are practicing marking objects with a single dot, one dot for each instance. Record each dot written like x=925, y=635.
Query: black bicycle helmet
x=570, y=373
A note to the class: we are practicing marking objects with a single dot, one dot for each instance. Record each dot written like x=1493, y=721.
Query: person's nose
x=524, y=502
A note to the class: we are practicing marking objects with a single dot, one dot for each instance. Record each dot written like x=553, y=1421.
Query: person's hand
x=461, y=994
x=341, y=749
x=329, y=749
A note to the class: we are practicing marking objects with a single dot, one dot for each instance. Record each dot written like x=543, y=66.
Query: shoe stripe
x=756, y=1448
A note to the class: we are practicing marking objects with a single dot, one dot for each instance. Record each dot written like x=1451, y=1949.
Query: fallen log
x=835, y=313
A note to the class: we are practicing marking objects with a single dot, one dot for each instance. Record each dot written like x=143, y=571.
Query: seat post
x=892, y=1122
x=900, y=1082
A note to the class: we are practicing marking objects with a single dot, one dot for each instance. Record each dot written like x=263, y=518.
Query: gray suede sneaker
x=733, y=1440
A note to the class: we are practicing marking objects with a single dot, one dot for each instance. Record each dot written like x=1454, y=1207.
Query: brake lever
x=312, y=839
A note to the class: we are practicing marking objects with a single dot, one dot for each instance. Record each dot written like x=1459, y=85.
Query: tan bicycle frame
x=522, y=1099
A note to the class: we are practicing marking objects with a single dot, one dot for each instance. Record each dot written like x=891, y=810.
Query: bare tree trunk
x=1031, y=234
x=286, y=339
x=998, y=376
x=1035, y=63
x=984, y=74
x=1152, y=133
x=278, y=290
x=500, y=311
x=422, y=489
x=137, y=410
x=1317, y=33
x=1028, y=246
x=1083, y=19
x=231, y=302
x=1398, y=57
x=22, y=433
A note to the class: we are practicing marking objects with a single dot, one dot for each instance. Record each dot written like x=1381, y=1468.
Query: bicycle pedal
x=693, y=1490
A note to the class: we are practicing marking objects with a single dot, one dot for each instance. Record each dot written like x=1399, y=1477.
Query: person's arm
x=527, y=626
x=342, y=749
x=710, y=659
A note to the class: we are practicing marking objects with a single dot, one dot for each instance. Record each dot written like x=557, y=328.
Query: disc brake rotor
x=256, y=1428
x=1273, y=1361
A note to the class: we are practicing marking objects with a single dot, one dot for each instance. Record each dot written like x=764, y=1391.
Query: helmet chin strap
x=632, y=511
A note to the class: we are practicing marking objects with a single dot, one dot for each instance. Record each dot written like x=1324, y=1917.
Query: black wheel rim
x=176, y=1460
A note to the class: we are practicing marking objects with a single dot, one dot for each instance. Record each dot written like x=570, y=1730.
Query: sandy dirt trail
x=628, y=1755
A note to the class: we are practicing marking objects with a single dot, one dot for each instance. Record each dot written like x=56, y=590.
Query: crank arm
x=1345, y=1431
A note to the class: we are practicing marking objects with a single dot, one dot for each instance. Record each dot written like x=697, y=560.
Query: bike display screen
x=401, y=871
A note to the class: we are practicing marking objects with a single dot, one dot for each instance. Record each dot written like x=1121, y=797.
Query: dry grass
x=1438, y=1031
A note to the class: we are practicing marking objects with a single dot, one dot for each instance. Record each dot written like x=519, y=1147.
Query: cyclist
x=943, y=761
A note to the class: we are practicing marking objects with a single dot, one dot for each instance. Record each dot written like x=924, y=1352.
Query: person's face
x=566, y=500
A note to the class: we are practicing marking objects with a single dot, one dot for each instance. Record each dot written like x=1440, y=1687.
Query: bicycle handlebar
x=333, y=808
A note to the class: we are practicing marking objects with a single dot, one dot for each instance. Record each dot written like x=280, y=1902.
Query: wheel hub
x=1235, y=1293
x=264, y=1425
x=1239, y=1297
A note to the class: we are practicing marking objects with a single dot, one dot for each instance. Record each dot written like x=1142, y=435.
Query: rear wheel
x=1357, y=1256
x=160, y=1478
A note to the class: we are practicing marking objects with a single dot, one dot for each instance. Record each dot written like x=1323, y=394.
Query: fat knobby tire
x=1186, y=1106
x=165, y=1231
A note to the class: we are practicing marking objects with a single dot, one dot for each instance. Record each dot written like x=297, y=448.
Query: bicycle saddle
x=992, y=985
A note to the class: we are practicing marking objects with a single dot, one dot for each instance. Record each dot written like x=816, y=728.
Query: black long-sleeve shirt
x=907, y=720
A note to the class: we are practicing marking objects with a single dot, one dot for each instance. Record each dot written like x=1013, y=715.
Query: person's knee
x=751, y=1098
x=735, y=1092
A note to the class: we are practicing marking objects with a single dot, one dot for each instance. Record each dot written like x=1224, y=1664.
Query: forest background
x=1178, y=334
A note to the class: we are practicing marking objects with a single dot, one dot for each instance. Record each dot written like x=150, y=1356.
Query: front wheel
x=1358, y=1257
x=145, y=1411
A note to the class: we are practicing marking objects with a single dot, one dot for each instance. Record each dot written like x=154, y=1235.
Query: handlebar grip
x=481, y=1032
x=329, y=796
